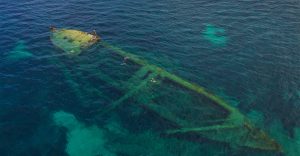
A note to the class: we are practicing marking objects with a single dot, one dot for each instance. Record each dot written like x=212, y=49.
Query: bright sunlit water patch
x=246, y=52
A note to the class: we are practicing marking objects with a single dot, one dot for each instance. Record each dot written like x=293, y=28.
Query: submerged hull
x=188, y=106
x=73, y=41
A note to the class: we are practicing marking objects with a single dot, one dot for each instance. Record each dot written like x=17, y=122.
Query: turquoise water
x=243, y=51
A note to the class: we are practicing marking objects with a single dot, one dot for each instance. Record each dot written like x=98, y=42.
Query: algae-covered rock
x=82, y=140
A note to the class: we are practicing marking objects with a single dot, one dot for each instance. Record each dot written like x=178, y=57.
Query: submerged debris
x=188, y=106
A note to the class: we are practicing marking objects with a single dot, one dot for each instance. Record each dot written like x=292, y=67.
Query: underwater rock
x=82, y=140
x=19, y=52
x=66, y=120
x=215, y=35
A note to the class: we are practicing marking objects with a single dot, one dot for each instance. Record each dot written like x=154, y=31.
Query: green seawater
x=215, y=35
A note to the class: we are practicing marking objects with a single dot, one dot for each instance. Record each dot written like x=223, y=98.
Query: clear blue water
x=253, y=62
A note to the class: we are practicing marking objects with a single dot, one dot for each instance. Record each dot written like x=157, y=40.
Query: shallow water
x=243, y=51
